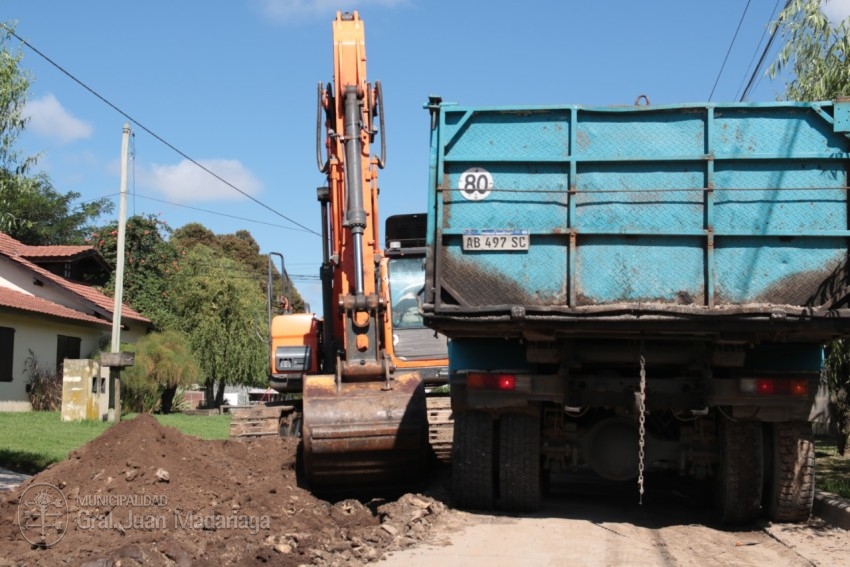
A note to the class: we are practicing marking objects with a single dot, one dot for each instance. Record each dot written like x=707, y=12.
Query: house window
x=7, y=349
x=66, y=347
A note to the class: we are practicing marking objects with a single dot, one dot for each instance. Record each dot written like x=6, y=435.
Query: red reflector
x=799, y=388
x=771, y=386
x=484, y=381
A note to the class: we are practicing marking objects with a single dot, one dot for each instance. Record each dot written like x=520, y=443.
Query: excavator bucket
x=362, y=436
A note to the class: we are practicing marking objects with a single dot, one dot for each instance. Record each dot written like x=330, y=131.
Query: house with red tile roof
x=46, y=312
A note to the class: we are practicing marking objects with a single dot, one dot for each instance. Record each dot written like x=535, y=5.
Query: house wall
x=15, y=277
x=131, y=335
x=11, y=276
x=20, y=279
x=39, y=334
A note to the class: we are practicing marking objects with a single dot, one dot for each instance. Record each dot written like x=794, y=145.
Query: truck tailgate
x=683, y=211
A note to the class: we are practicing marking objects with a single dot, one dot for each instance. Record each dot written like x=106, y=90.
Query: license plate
x=496, y=239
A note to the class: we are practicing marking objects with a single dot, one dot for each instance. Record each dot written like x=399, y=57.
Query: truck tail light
x=490, y=381
x=775, y=387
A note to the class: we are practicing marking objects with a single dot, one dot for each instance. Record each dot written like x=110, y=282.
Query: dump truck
x=358, y=376
x=635, y=289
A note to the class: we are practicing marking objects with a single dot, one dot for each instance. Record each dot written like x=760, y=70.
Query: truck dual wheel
x=738, y=483
x=519, y=463
x=473, y=467
x=789, y=471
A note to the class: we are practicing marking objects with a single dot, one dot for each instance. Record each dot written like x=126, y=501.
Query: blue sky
x=232, y=85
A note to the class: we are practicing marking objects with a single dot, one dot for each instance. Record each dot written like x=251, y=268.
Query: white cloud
x=284, y=11
x=49, y=119
x=836, y=10
x=186, y=182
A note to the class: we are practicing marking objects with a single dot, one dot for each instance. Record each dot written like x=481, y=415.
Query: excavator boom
x=365, y=422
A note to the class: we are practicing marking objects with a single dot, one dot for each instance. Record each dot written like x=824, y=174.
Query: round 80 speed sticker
x=475, y=184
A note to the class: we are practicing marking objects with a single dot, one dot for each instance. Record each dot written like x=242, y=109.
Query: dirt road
x=146, y=495
x=593, y=525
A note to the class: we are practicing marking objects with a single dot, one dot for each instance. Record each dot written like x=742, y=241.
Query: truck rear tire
x=739, y=479
x=790, y=472
x=519, y=463
x=473, y=485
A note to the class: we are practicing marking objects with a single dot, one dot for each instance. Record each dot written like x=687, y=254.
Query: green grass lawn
x=30, y=441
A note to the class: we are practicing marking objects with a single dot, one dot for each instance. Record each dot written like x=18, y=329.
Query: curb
x=832, y=509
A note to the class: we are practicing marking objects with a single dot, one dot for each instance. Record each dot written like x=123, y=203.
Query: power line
x=150, y=132
x=758, y=45
x=221, y=214
x=229, y=276
x=247, y=269
x=728, y=51
x=111, y=196
x=764, y=53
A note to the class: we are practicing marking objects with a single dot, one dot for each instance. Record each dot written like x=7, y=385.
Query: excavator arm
x=353, y=302
x=364, y=422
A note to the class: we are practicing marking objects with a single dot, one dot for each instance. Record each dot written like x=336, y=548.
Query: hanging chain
x=641, y=425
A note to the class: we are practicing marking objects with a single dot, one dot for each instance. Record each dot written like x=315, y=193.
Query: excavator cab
x=413, y=346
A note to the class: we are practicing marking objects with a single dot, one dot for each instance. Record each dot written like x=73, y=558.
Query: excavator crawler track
x=265, y=419
x=285, y=419
x=440, y=427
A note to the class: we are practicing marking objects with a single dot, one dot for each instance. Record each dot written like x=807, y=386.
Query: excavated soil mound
x=146, y=494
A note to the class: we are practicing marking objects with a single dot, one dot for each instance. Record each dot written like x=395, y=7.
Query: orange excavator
x=364, y=369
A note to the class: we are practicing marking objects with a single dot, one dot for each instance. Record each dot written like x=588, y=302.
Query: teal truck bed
x=734, y=213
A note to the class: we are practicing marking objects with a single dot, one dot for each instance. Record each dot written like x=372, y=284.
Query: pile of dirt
x=146, y=494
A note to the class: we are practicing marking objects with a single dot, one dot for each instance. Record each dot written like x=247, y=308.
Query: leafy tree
x=222, y=310
x=814, y=54
x=30, y=209
x=838, y=381
x=149, y=260
x=14, y=85
x=50, y=217
x=164, y=362
x=241, y=247
x=192, y=234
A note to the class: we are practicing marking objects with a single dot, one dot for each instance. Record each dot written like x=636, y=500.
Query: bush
x=838, y=374
x=164, y=364
x=180, y=403
x=138, y=395
x=44, y=385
